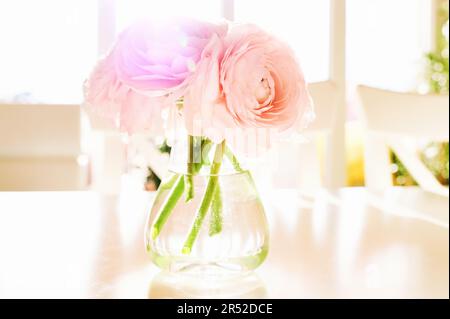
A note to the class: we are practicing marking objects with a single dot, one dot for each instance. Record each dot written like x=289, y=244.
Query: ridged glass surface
x=235, y=240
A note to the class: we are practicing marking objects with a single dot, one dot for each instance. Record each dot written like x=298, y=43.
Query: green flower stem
x=169, y=183
x=215, y=226
x=232, y=158
x=207, y=144
x=177, y=184
x=168, y=206
x=216, y=221
x=206, y=200
x=189, y=177
x=166, y=185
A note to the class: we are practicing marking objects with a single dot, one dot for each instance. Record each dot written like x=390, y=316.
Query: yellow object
x=355, y=153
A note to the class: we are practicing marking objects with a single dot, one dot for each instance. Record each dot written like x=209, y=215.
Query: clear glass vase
x=207, y=214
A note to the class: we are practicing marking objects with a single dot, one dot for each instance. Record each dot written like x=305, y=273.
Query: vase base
x=222, y=268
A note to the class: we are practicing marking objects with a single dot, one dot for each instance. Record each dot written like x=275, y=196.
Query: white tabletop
x=327, y=244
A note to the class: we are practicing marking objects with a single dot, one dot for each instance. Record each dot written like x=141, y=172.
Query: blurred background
x=378, y=72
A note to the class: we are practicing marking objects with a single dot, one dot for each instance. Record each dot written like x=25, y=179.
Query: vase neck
x=199, y=156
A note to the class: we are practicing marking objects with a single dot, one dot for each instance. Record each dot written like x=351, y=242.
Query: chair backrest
x=40, y=147
x=40, y=130
x=299, y=162
x=390, y=118
x=405, y=114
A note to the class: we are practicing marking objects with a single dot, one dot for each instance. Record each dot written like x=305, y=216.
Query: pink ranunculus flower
x=203, y=111
x=263, y=85
x=254, y=81
x=148, y=69
x=159, y=57
x=105, y=96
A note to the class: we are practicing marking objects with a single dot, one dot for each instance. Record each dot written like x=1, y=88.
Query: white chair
x=41, y=148
x=394, y=119
x=299, y=161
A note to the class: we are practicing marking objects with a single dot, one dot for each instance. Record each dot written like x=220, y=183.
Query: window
x=130, y=10
x=303, y=24
x=386, y=42
x=47, y=62
x=48, y=48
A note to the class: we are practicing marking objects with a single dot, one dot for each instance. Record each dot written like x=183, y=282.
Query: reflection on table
x=330, y=243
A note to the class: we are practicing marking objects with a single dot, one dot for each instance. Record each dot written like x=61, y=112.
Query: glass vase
x=207, y=214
